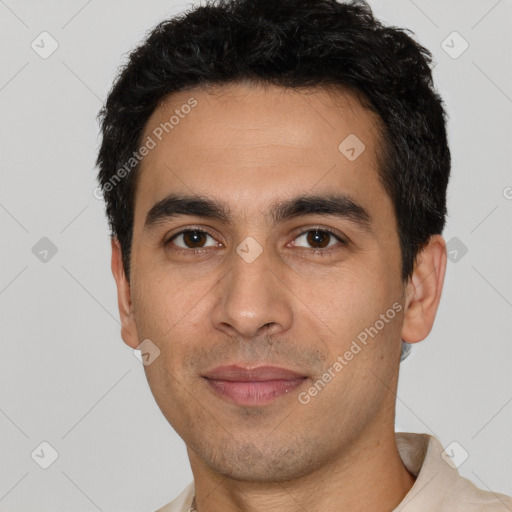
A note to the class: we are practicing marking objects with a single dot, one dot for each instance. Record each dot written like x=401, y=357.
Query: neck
x=368, y=475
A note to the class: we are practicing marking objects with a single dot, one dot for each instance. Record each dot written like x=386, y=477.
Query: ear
x=124, y=302
x=423, y=291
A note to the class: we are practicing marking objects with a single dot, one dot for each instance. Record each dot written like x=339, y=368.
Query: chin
x=249, y=463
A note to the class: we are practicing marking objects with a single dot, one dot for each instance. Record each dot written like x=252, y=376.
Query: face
x=254, y=293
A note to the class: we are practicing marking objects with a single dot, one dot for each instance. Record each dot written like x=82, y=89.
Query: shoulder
x=438, y=485
x=468, y=497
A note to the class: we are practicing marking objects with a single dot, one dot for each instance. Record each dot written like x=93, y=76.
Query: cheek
x=351, y=299
x=164, y=293
x=367, y=326
x=165, y=314
x=170, y=310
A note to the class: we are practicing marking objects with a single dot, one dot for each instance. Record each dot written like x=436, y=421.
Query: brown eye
x=194, y=238
x=191, y=239
x=318, y=239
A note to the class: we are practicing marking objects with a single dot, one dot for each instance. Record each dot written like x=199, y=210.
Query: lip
x=253, y=386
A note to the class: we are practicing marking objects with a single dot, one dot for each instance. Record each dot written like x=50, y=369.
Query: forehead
x=248, y=145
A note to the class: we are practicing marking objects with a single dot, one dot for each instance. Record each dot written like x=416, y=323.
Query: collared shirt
x=438, y=486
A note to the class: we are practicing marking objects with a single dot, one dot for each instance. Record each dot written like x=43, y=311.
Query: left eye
x=318, y=238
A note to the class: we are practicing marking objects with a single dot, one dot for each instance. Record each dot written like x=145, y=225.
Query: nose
x=253, y=300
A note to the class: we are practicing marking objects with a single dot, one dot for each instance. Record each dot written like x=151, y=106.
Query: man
x=275, y=176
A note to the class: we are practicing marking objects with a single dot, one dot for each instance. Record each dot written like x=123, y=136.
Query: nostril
x=267, y=327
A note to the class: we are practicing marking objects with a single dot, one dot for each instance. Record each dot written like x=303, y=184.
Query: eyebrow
x=337, y=205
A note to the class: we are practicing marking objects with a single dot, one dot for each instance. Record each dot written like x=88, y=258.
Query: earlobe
x=124, y=302
x=423, y=292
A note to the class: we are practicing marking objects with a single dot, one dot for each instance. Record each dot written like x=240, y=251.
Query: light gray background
x=65, y=375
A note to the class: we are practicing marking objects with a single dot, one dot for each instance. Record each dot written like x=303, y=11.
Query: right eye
x=191, y=240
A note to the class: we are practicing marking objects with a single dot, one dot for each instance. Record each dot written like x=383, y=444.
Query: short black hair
x=295, y=44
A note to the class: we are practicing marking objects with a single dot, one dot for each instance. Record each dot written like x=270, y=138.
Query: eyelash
x=317, y=252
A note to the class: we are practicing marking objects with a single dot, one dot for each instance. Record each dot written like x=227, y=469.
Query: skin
x=248, y=146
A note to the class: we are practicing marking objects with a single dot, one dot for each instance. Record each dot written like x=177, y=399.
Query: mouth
x=253, y=386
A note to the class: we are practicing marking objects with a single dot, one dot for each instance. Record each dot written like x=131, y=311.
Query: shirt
x=438, y=486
